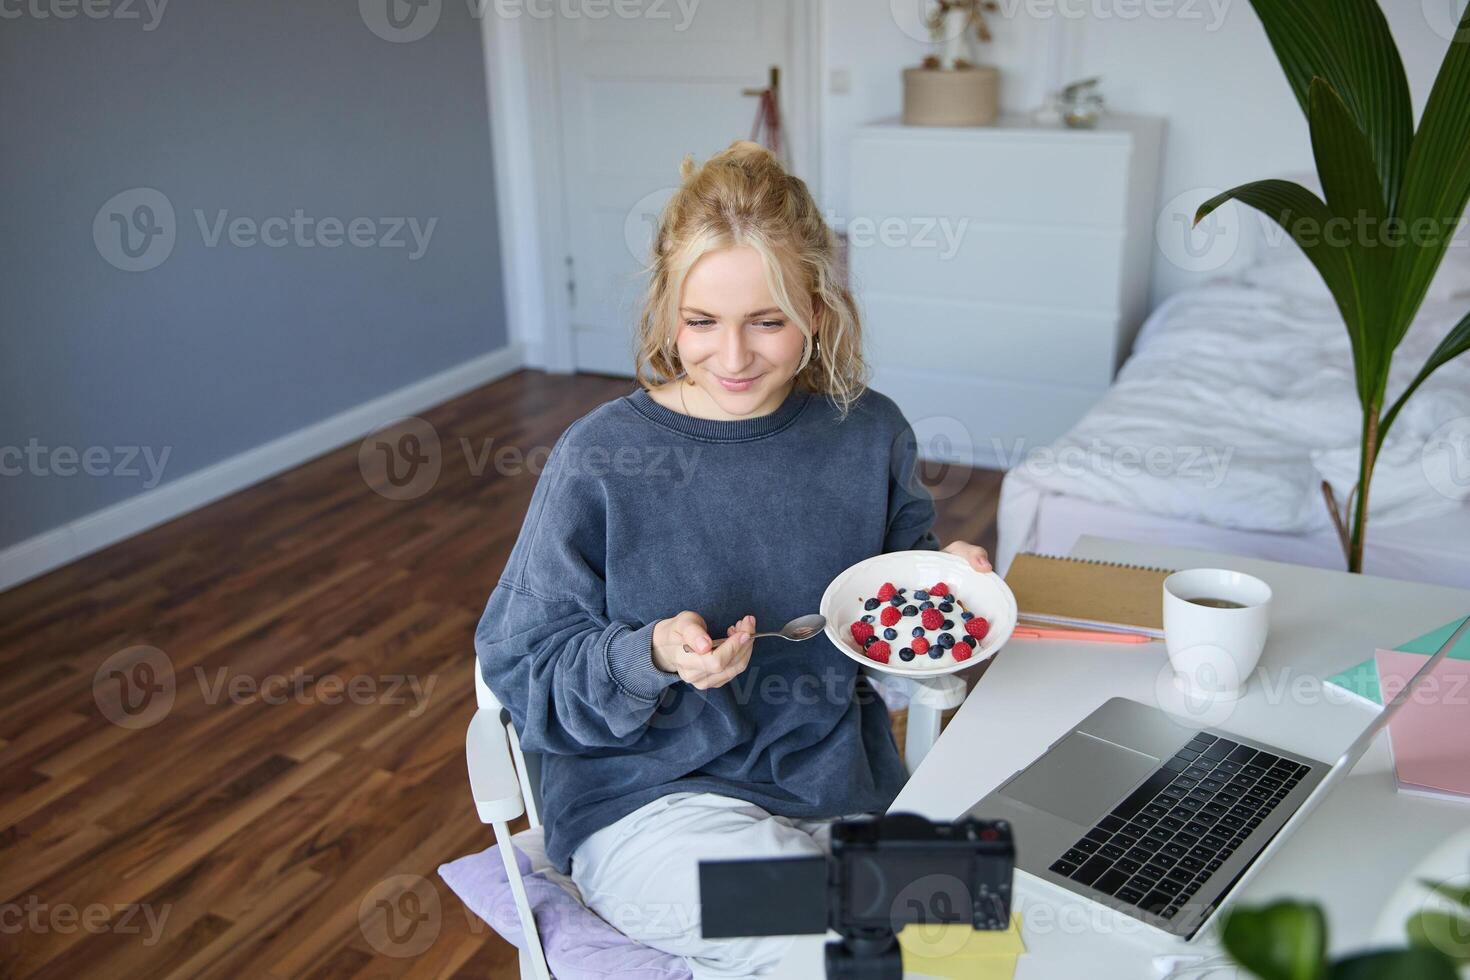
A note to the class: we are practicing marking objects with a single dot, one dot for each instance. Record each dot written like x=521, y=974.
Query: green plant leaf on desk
x=1282, y=941
x=1395, y=964
x=1442, y=931
x=1459, y=894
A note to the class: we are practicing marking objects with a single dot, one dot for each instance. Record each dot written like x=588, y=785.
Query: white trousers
x=641, y=874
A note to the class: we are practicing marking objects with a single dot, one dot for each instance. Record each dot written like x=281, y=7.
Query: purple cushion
x=579, y=945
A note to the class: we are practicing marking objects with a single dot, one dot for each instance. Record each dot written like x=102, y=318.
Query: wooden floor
x=257, y=824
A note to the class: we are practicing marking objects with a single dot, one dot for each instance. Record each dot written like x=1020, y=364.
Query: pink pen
x=1100, y=636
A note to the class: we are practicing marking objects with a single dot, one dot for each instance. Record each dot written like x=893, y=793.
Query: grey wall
x=257, y=108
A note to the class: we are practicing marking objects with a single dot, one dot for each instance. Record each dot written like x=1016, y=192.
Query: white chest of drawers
x=1002, y=272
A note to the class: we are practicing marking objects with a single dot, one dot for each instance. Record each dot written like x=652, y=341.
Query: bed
x=1235, y=405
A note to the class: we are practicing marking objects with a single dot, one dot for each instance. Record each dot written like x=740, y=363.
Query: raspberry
x=939, y=589
x=932, y=619
x=920, y=645
x=886, y=591
x=861, y=631
x=890, y=615
x=962, y=650
x=879, y=651
x=977, y=626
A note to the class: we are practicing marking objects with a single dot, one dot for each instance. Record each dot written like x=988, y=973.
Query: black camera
x=883, y=873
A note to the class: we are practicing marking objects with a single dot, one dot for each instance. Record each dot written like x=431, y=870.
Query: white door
x=636, y=94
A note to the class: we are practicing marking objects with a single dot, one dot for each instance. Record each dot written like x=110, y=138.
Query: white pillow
x=1278, y=265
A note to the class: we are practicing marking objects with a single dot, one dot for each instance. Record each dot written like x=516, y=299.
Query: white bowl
x=982, y=593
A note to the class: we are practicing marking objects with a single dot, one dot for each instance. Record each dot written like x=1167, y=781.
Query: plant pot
x=951, y=97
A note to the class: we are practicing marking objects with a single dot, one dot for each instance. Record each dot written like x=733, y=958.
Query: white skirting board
x=85, y=535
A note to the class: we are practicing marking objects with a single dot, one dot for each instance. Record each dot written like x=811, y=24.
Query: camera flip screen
x=771, y=897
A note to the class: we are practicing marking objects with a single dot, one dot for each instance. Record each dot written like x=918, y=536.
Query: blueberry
x=936, y=652
x=890, y=634
x=906, y=654
x=918, y=632
x=910, y=611
x=946, y=607
x=920, y=594
x=869, y=642
x=945, y=640
x=871, y=604
x=896, y=601
x=948, y=624
x=967, y=616
x=926, y=605
x=867, y=619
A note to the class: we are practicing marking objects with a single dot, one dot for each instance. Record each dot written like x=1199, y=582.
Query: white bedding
x=1431, y=550
x=1237, y=402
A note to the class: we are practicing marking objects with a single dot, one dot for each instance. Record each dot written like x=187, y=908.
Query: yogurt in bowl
x=860, y=599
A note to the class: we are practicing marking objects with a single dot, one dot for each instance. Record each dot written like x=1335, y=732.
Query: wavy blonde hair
x=744, y=196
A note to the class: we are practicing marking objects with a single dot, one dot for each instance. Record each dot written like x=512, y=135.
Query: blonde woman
x=750, y=467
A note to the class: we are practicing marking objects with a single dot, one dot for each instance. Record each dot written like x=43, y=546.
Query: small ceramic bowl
x=982, y=593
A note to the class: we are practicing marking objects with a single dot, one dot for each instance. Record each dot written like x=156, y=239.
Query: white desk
x=1349, y=856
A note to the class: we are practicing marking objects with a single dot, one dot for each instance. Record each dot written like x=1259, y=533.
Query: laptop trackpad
x=1081, y=778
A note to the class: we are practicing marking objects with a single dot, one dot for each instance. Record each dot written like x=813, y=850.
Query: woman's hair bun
x=748, y=155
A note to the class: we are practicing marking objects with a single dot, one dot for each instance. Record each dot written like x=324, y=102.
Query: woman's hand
x=708, y=665
x=973, y=553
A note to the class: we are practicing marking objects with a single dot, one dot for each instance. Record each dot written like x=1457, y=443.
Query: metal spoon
x=800, y=628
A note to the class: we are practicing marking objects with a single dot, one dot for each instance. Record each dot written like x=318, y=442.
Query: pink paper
x=1430, y=735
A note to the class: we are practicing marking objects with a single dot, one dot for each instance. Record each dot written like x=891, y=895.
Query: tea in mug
x=1218, y=603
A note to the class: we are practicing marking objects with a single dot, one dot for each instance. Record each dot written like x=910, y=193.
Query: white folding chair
x=504, y=782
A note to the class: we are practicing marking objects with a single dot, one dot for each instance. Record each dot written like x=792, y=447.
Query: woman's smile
x=744, y=383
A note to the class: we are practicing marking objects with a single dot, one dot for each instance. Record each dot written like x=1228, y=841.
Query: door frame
x=524, y=105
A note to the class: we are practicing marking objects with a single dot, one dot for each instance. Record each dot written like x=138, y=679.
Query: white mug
x=1214, y=650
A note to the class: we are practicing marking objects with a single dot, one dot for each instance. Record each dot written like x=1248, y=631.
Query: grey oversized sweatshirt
x=641, y=512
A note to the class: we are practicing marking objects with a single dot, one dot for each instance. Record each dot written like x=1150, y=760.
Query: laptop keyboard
x=1161, y=843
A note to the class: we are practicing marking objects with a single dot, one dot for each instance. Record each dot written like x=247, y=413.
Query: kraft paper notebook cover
x=1087, y=593
x=1430, y=736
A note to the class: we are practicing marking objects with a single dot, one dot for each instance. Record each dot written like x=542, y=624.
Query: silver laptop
x=1161, y=820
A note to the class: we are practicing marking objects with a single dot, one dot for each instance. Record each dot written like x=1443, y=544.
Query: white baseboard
x=85, y=535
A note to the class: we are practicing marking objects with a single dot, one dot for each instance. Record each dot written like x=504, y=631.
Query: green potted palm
x=1392, y=197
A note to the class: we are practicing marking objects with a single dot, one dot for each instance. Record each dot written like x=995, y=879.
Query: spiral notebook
x=1087, y=593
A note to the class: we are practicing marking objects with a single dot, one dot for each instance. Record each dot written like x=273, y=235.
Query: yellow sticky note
x=958, y=952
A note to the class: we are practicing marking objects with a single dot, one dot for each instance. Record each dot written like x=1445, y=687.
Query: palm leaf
x=1376, y=88
x=1354, y=198
x=1348, y=43
x=1455, y=343
x=1436, y=182
x=1344, y=158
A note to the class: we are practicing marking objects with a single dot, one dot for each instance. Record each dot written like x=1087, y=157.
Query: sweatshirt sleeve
x=911, y=510
x=572, y=678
